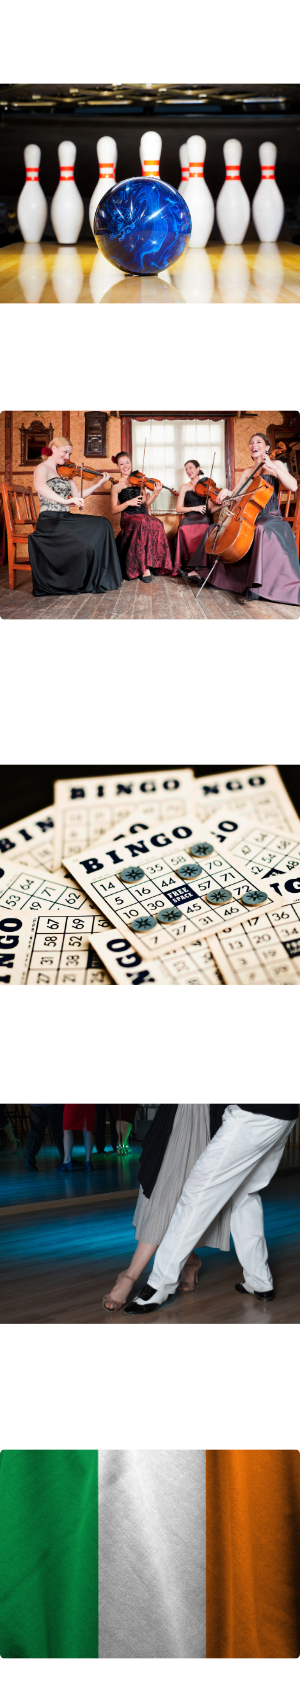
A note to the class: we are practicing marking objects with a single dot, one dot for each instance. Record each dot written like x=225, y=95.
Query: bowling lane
x=257, y=273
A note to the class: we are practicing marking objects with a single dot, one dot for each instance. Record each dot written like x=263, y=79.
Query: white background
x=130, y=692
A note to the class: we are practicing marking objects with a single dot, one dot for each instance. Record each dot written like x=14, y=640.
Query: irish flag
x=149, y=1555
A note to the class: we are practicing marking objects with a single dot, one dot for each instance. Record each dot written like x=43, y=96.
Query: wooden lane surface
x=161, y=600
x=224, y=275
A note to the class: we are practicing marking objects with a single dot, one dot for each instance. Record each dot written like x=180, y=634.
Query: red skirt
x=143, y=545
x=188, y=538
x=75, y=1115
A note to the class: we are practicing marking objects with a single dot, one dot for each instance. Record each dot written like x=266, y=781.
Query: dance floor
x=162, y=599
x=56, y=1264
x=255, y=273
x=21, y=1187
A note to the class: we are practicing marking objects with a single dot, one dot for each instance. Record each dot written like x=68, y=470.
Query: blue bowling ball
x=142, y=225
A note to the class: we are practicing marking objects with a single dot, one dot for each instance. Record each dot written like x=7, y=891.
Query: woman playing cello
x=142, y=543
x=270, y=569
x=193, y=519
x=69, y=554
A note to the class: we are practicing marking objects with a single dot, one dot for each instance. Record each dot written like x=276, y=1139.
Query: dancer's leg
x=125, y=1281
x=68, y=1144
x=244, y=1145
x=88, y=1140
x=247, y=1228
x=247, y=1219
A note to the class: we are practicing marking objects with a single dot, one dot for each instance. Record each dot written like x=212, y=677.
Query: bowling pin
x=197, y=195
x=233, y=206
x=150, y=152
x=268, y=205
x=107, y=154
x=32, y=210
x=67, y=208
x=184, y=166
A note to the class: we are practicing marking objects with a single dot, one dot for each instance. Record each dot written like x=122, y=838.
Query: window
x=169, y=443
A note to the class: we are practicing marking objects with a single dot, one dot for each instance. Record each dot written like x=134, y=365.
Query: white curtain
x=170, y=443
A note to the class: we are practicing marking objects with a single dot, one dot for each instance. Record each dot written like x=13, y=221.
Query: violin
x=68, y=468
x=139, y=481
x=232, y=536
x=207, y=486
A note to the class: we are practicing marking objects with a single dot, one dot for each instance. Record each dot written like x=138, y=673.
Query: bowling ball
x=141, y=225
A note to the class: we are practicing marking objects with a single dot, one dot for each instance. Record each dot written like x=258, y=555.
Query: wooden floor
x=161, y=600
x=253, y=274
x=57, y=1266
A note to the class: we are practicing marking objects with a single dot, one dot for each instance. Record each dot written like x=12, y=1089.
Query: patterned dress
x=142, y=542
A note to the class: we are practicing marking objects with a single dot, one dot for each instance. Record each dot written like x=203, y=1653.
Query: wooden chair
x=290, y=508
x=20, y=520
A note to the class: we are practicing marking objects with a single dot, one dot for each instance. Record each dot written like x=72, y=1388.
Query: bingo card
x=194, y=966
x=255, y=791
x=88, y=809
x=166, y=880
x=262, y=951
x=45, y=929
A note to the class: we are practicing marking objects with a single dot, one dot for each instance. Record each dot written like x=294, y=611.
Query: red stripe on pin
x=268, y=171
x=32, y=173
x=150, y=168
x=66, y=173
x=233, y=172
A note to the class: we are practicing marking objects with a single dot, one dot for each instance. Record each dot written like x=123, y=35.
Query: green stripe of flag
x=49, y=1555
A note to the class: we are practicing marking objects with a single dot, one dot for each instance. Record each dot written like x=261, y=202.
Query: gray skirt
x=190, y=1134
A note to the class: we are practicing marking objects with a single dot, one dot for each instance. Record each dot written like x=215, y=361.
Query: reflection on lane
x=257, y=273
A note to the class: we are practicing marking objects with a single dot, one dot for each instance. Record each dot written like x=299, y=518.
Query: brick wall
x=97, y=504
x=244, y=429
x=2, y=445
x=100, y=502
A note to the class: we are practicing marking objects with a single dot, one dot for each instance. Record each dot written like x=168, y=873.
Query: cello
x=233, y=534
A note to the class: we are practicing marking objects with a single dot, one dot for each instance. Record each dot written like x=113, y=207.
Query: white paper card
x=191, y=967
x=87, y=810
x=262, y=951
x=256, y=791
x=161, y=887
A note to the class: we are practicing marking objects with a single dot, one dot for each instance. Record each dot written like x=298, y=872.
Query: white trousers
x=243, y=1156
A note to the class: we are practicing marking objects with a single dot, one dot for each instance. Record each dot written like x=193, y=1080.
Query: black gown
x=72, y=553
x=270, y=568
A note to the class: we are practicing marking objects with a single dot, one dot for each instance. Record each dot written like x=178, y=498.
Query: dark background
x=25, y=789
x=252, y=113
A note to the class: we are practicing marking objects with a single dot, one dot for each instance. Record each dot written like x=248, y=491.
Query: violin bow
x=142, y=478
x=210, y=476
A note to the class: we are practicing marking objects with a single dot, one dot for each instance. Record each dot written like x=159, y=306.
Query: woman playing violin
x=270, y=569
x=69, y=554
x=142, y=542
x=193, y=519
